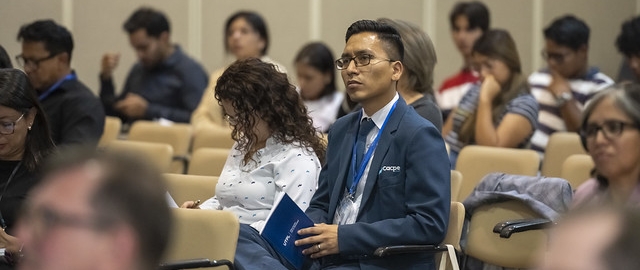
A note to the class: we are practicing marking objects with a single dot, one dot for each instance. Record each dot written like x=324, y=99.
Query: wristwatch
x=562, y=98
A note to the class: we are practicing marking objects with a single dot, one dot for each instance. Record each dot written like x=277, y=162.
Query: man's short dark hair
x=628, y=42
x=568, y=31
x=56, y=38
x=476, y=13
x=386, y=33
x=152, y=21
x=131, y=191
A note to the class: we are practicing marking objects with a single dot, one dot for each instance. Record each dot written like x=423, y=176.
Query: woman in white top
x=245, y=36
x=277, y=150
x=316, y=77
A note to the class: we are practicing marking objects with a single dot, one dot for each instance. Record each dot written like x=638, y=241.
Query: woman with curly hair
x=277, y=149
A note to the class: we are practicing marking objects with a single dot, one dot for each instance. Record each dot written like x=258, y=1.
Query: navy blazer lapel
x=381, y=150
x=345, y=160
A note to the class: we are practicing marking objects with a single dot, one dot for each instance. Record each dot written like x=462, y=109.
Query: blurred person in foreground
x=95, y=211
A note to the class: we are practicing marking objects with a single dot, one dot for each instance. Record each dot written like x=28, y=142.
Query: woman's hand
x=191, y=204
x=12, y=244
x=489, y=89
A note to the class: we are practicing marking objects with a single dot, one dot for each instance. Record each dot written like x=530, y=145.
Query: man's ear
x=64, y=58
x=583, y=50
x=398, y=68
x=164, y=37
x=125, y=246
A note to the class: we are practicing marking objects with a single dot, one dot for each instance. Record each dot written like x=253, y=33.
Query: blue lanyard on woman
x=70, y=76
x=367, y=156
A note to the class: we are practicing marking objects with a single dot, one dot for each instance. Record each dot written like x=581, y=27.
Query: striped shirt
x=453, y=89
x=550, y=119
x=523, y=104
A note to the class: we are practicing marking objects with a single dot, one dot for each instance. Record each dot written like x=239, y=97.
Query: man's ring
x=318, y=246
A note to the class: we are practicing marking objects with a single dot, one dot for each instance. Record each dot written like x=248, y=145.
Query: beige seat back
x=561, y=145
x=474, y=162
x=208, y=161
x=210, y=234
x=184, y=187
x=213, y=137
x=178, y=135
x=521, y=250
x=456, y=184
x=576, y=169
x=159, y=154
x=112, y=126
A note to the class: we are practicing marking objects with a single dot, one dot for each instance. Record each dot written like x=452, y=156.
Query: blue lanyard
x=70, y=76
x=367, y=156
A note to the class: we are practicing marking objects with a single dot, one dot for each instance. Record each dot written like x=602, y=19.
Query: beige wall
x=198, y=26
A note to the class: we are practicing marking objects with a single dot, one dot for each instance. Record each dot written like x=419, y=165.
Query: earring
x=29, y=128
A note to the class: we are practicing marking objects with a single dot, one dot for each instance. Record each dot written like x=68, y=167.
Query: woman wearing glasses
x=610, y=132
x=24, y=142
x=500, y=111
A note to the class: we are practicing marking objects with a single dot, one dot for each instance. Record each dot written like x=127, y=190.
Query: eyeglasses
x=232, y=120
x=35, y=63
x=7, y=128
x=44, y=219
x=556, y=57
x=360, y=60
x=610, y=129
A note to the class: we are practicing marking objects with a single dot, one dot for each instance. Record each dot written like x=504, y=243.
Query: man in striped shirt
x=563, y=88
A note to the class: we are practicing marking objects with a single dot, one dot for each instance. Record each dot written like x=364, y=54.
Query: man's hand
x=489, y=89
x=109, y=64
x=324, y=240
x=558, y=84
x=133, y=106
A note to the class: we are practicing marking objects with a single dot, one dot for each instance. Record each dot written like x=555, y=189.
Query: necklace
x=3, y=224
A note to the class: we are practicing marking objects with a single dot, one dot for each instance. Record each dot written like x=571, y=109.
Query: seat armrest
x=195, y=263
x=500, y=226
x=404, y=249
x=533, y=224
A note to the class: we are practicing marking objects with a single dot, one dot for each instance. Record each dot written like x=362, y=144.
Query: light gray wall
x=197, y=25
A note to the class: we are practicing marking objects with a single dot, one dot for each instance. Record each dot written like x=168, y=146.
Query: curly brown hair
x=257, y=90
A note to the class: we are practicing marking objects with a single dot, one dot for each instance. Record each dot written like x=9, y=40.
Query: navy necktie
x=365, y=127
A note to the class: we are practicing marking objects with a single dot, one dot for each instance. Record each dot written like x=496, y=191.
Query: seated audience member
x=611, y=134
x=567, y=83
x=399, y=191
x=500, y=111
x=73, y=111
x=317, y=80
x=5, y=61
x=628, y=43
x=165, y=83
x=25, y=143
x=600, y=238
x=468, y=20
x=416, y=84
x=96, y=211
x=245, y=36
x=276, y=151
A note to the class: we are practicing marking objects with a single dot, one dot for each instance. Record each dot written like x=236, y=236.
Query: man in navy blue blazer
x=399, y=193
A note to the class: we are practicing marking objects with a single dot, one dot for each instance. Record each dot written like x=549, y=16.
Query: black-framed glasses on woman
x=7, y=128
x=610, y=129
x=360, y=60
x=232, y=120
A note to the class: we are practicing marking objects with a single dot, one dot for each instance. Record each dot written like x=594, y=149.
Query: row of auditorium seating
x=195, y=229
